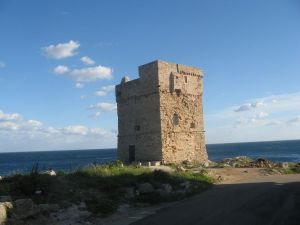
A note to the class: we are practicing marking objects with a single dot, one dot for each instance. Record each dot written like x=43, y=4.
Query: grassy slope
x=101, y=187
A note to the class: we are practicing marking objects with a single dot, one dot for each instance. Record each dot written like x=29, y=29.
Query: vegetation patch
x=102, y=188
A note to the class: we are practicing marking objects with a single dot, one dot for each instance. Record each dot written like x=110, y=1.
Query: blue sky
x=59, y=61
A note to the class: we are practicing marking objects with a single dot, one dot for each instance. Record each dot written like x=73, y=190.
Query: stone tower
x=160, y=115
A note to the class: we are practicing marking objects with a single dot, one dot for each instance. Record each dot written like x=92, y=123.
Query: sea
x=22, y=162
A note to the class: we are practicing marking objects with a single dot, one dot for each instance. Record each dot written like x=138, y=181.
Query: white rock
x=49, y=172
x=3, y=214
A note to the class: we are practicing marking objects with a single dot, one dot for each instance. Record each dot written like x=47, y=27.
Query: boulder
x=4, y=208
x=3, y=214
x=48, y=207
x=145, y=188
x=240, y=162
x=167, y=188
x=5, y=198
x=186, y=185
x=129, y=192
x=25, y=208
x=284, y=165
x=263, y=163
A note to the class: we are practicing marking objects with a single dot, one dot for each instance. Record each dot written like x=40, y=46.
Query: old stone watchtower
x=160, y=115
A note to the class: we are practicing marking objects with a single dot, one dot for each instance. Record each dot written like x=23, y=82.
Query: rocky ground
x=134, y=204
x=99, y=194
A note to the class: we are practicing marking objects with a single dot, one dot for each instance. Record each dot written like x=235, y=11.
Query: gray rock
x=25, y=208
x=5, y=199
x=145, y=188
x=186, y=185
x=167, y=188
x=129, y=192
x=48, y=207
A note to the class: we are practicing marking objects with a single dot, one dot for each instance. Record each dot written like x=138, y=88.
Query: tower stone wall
x=160, y=115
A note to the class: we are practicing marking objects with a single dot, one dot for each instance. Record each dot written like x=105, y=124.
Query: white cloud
x=8, y=125
x=91, y=74
x=105, y=106
x=76, y=129
x=261, y=115
x=61, y=50
x=105, y=90
x=249, y=106
x=2, y=65
x=18, y=134
x=61, y=69
x=83, y=97
x=9, y=117
x=255, y=120
x=274, y=123
x=87, y=60
x=79, y=85
x=294, y=121
x=96, y=115
x=34, y=123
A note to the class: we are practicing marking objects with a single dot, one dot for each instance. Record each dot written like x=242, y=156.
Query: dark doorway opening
x=131, y=153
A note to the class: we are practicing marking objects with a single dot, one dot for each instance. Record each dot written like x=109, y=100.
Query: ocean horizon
x=69, y=160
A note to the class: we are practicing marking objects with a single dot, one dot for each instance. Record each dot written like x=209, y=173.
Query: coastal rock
x=167, y=188
x=5, y=198
x=263, y=163
x=71, y=215
x=145, y=188
x=25, y=208
x=186, y=185
x=4, y=208
x=284, y=165
x=239, y=162
x=48, y=207
x=3, y=214
x=129, y=192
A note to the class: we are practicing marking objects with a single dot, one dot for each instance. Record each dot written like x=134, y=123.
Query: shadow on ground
x=235, y=204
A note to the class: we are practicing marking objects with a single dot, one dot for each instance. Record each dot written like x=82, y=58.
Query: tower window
x=175, y=119
x=185, y=79
x=193, y=125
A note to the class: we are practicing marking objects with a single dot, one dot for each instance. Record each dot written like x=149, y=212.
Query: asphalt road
x=270, y=200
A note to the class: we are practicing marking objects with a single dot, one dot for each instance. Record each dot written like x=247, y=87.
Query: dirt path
x=244, y=197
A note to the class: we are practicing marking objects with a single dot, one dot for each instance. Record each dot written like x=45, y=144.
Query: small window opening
x=193, y=125
x=185, y=79
x=137, y=127
x=178, y=92
x=175, y=119
x=176, y=77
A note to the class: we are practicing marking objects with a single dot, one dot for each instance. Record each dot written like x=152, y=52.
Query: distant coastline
x=67, y=160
